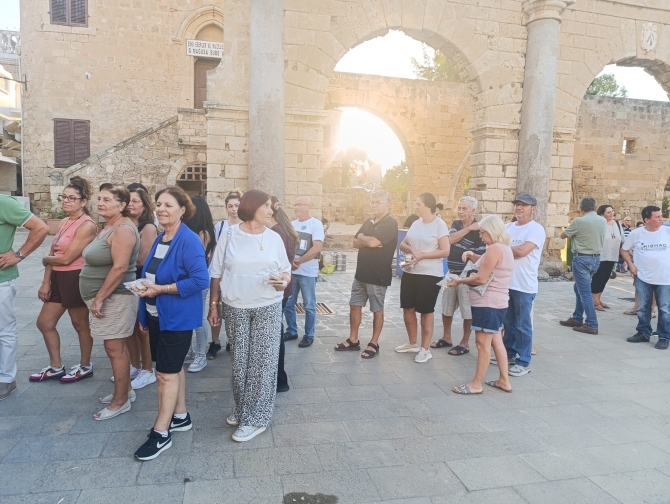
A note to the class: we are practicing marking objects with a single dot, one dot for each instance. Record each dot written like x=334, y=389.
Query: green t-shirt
x=12, y=215
x=587, y=233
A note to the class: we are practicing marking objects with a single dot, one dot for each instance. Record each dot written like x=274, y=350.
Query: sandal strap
x=376, y=347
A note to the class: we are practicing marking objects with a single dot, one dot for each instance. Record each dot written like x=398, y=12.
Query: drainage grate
x=321, y=309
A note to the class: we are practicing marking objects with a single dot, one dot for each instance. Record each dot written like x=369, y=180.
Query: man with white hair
x=463, y=237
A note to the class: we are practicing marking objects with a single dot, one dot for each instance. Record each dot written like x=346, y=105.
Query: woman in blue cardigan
x=171, y=307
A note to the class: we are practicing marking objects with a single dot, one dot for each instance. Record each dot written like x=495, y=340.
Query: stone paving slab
x=589, y=424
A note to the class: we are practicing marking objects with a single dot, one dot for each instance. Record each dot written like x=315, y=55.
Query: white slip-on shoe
x=408, y=348
x=108, y=398
x=247, y=432
x=134, y=372
x=199, y=363
x=423, y=356
x=232, y=420
x=143, y=379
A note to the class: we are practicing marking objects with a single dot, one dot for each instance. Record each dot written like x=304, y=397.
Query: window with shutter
x=69, y=12
x=72, y=142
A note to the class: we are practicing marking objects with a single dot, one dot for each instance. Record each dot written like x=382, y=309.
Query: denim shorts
x=488, y=320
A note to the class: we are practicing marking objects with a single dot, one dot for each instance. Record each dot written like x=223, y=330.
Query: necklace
x=260, y=243
x=65, y=228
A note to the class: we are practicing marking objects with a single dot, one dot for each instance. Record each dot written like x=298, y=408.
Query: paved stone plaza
x=588, y=425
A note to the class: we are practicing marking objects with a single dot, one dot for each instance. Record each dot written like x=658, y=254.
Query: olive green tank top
x=98, y=263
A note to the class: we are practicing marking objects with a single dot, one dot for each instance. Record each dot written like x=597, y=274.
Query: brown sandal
x=368, y=353
x=341, y=347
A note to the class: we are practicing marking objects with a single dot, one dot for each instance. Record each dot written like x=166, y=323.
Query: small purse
x=469, y=270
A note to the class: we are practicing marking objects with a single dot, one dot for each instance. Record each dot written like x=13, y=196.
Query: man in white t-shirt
x=651, y=247
x=527, y=242
x=305, y=271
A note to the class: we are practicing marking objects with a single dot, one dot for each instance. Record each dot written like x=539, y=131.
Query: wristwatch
x=20, y=255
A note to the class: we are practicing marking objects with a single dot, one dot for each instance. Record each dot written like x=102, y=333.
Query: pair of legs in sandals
x=352, y=343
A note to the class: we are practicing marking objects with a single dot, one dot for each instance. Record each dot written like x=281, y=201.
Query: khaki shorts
x=120, y=313
x=457, y=298
x=361, y=292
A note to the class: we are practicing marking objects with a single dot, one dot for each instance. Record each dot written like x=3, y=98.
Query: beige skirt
x=120, y=313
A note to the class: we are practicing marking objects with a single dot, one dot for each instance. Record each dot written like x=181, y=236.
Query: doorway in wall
x=202, y=66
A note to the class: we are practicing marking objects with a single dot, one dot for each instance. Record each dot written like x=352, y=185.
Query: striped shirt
x=470, y=242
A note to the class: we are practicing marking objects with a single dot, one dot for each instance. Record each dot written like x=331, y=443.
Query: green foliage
x=667, y=185
x=664, y=208
x=396, y=179
x=606, y=85
x=435, y=68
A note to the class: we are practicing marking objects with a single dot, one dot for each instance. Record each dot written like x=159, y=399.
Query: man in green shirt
x=13, y=215
x=587, y=234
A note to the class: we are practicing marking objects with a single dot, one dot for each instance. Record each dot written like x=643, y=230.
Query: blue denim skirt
x=489, y=320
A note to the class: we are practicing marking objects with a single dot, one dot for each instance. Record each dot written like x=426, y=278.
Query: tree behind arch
x=606, y=85
x=435, y=68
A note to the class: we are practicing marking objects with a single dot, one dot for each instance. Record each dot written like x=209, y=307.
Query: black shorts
x=168, y=348
x=419, y=292
x=65, y=289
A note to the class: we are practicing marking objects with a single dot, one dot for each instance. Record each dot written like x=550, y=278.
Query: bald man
x=305, y=271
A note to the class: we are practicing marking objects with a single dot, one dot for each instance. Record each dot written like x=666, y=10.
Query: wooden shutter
x=59, y=11
x=81, y=140
x=62, y=143
x=78, y=12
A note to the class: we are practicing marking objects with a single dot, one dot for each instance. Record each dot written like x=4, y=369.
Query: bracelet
x=213, y=302
x=169, y=288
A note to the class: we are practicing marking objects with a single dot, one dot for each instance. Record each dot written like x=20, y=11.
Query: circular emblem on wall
x=649, y=36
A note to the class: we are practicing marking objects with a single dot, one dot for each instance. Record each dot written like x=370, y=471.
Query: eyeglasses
x=65, y=197
x=135, y=201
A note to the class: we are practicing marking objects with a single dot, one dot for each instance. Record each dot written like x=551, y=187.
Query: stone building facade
x=525, y=67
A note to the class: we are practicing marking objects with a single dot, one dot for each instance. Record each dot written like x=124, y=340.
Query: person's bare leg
x=133, y=344
x=483, y=342
x=79, y=317
x=47, y=320
x=216, y=331
x=355, y=317
x=503, y=364
x=181, y=398
x=446, y=328
x=467, y=330
x=427, y=328
x=377, y=325
x=118, y=356
x=409, y=317
x=145, y=348
x=169, y=386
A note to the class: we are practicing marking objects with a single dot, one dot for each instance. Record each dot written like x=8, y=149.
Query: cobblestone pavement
x=588, y=425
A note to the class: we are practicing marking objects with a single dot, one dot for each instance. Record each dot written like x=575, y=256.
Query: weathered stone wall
x=628, y=182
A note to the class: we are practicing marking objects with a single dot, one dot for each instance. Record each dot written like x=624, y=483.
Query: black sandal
x=458, y=350
x=341, y=347
x=370, y=354
x=441, y=344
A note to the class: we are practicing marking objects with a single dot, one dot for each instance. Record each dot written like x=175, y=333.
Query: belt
x=586, y=255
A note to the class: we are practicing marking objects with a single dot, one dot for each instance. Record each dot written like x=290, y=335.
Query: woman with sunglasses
x=60, y=288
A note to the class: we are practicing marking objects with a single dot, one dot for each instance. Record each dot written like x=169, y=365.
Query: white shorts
x=456, y=298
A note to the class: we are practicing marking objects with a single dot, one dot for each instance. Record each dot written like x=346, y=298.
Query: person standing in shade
x=463, y=237
x=376, y=242
x=528, y=239
x=305, y=271
x=587, y=234
x=651, y=273
x=614, y=238
x=13, y=215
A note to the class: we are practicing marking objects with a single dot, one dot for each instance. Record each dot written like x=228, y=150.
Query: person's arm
x=122, y=242
x=147, y=239
x=471, y=256
x=82, y=237
x=38, y=232
x=523, y=250
x=214, y=289
x=629, y=261
x=571, y=230
x=442, y=251
x=369, y=241
x=490, y=260
x=456, y=236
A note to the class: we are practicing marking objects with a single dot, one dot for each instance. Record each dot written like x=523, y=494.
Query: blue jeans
x=583, y=269
x=645, y=292
x=306, y=285
x=518, y=338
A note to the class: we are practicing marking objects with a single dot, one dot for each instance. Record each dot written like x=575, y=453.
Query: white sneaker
x=247, y=432
x=518, y=370
x=134, y=372
x=232, y=420
x=408, y=348
x=190, y=356
x=143, y=379
x=423, y=356
x=199, y=363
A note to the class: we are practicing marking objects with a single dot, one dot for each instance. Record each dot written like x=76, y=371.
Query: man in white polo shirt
x=528, y=239
x=650, y=246
x=305, y=271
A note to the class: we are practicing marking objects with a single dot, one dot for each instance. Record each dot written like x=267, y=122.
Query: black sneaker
x=154, y=446
x=283, y=387
x=638, y=337
x=662, y=344
x=179, y=425
x=289, y=337
x=305, y=342
x=214, y=348
x=228, y=347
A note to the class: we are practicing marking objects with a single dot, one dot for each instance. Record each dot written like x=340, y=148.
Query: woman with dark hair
x=171, y=307
x=109, y=261
x=202, y=224
x=281, y=224
x=141, y=213
x=251, y=269
x=425, y=244
x=60, y=288
x=609, y=256
x=221, y=229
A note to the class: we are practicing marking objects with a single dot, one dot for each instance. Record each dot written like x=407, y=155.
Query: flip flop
x=494, y=384
x=599, y=307
x=108, y=398
x=464, y=390
x=106, y=414
x=458, y=350
x=441, y=344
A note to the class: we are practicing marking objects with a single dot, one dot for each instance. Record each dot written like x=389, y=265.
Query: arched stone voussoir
x=196, y=20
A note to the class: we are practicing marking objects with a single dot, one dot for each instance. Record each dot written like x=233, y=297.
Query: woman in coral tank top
x=60, y=288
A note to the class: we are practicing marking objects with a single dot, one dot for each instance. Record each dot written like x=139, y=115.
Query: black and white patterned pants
x=254, y=347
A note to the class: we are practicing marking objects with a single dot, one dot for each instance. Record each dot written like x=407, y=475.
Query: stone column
x=266, y=96
x=542, y=19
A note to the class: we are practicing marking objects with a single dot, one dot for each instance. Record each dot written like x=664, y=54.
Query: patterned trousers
x=254, y=347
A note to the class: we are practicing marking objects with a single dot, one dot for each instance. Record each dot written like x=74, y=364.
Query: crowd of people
x=158, y=272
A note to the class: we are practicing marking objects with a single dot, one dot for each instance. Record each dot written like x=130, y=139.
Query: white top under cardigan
x=247, y=268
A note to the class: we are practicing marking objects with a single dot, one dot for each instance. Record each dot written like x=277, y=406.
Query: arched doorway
x=202, y=65
x=193, y=179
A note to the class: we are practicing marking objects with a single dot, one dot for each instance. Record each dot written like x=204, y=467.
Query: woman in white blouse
x=251, y=269
x=609, y=256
